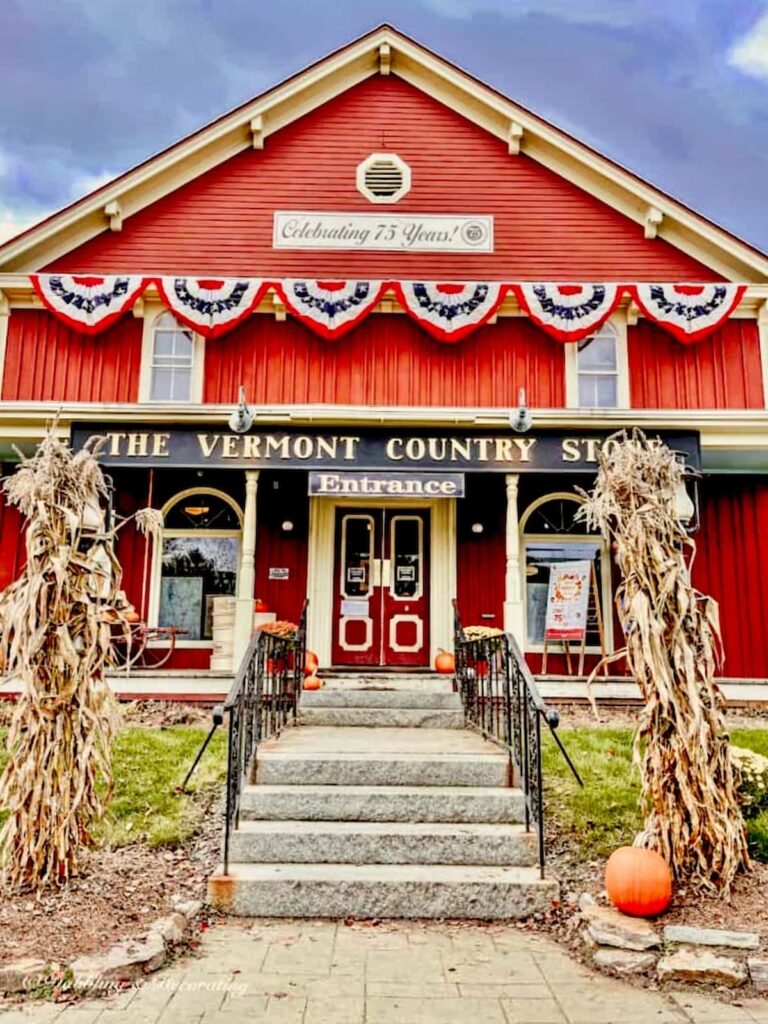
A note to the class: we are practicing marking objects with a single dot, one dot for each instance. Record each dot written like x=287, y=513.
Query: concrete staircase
x=381, y=804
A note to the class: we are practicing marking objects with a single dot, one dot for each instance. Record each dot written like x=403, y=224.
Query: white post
x=514, y=618
x=247, y=575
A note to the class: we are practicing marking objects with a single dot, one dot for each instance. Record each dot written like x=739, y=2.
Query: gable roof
x=384, y=50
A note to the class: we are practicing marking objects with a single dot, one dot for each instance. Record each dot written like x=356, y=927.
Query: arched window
x=551, y=535
x=198, y=559
x=172, y=361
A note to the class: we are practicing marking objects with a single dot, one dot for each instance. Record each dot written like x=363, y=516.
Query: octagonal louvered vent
x=383, y=178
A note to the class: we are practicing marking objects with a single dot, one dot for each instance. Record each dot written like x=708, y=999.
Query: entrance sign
x=404, y=450
x=388, y=485
x=567, y=601
x=412, y=232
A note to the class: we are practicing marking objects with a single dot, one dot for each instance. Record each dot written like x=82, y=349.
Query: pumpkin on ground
x=312, y=683
x=638, y=881
x=445, y=663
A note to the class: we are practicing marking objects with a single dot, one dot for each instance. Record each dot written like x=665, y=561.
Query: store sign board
x=400, y=449
x=387, y=485
x=382, y=232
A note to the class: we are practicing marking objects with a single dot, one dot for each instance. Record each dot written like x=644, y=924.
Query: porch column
x=514, y=619
x=246, y=577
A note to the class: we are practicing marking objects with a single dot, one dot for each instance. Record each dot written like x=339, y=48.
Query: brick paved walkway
x=320, y=972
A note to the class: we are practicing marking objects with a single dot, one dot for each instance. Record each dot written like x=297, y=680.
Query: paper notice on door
x=354, y=609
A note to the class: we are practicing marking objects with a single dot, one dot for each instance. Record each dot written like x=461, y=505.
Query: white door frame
x=321, y=566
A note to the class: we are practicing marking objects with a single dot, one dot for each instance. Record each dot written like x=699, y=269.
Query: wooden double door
x=381, y=587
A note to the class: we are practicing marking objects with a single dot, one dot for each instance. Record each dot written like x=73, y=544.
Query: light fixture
x=196, y=510
x=287, y=525
x=241, y=420
x=520, y=419
x=477, y=527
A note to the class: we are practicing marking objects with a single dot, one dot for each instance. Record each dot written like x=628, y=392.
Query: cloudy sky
x=676, y=90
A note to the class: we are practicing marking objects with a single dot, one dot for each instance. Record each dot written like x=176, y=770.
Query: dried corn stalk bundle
x=56, y=629
x=672, y=633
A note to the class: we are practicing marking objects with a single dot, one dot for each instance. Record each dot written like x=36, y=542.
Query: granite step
x=381, y=891
x=389, y=682
x=386, y=842
x=382, y=803
x=376, y=769
x=368, y=698
x=383, y=717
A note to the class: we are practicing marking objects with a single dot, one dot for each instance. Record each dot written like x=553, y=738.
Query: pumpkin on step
x=638, y=881
x=445, y=663
x=312, y=683
x=311, y=663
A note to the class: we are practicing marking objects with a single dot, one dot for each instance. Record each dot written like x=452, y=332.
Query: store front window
x=552, y=535
x=199, y=558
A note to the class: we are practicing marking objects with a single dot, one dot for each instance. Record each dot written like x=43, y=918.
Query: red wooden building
x=460, y=249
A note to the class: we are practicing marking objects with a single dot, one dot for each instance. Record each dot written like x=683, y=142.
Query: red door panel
x=381, y=587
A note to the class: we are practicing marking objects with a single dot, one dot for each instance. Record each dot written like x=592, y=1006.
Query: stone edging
x=633, y=947
x=123, y=964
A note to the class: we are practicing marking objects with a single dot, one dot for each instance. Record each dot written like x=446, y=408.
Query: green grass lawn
x=605, y=813
x=149, y=764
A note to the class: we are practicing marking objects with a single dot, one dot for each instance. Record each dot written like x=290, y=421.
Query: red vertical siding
x=732, y=566
x=387, y=360
x=47, y=361
x=545, y=227
x=12, y=551
x=721, y=372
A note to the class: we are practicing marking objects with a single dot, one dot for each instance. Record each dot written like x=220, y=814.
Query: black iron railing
x=263, y=699
x=502, y=701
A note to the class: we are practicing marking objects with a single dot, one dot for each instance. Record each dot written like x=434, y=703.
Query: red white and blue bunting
x=688, y=311
x=450, y=311
x=88, y=303
x=568, y=312
x=211, y=306
x=330, y=308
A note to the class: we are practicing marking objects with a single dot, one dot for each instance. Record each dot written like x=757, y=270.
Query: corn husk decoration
x=57, y=624
x=673, y=650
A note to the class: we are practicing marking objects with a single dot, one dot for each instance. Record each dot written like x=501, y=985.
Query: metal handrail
x=501, y=699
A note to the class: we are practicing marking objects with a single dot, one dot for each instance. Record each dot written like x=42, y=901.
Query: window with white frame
x=598, y=368
x=551, y=535
x=197, y=560
x=172, y=362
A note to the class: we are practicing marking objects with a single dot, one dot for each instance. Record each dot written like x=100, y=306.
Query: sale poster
x=567, y=601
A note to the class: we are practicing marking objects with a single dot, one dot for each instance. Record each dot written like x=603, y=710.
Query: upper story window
x=173, y=356
x=597, y=371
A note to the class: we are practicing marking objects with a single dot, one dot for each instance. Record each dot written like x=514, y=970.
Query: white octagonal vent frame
x=381, y=167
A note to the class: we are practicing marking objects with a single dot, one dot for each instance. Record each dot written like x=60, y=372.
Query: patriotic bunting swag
x=329, y=307
x=89, y=304
x=210, y=307
x=569, y=312
x=450, y=311
x=689, y=311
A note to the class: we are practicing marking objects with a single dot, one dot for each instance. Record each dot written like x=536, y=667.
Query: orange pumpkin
x=260, y=606
x=445, y=663
x=311, y=663
x=638, y=881
x=312, y=683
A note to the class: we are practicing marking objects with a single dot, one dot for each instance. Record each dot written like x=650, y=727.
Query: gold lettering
x=525, y=444
x=229, y=446
x=415, y=448
x=591, y=443
x=482, y=444
x=504, y=452
x=327, y=446
x=208, y=443
x=570, y=448
x=273, y=444
x=350, y=448
x=251, y=446
x=392, y=443
x=114, y=443
x=303, y=447
x=463, y=448
x=160, y=445
x=137, y=445
x=436, y=447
